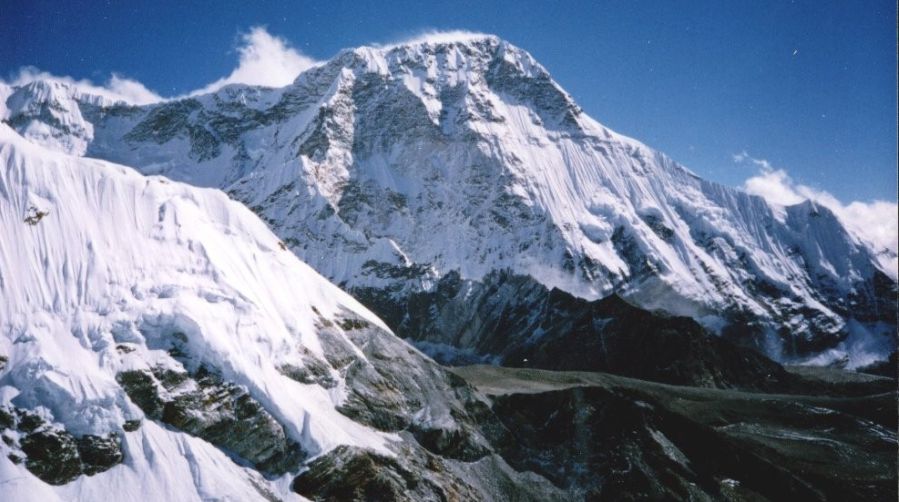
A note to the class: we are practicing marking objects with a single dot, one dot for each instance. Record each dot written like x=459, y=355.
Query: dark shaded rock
x=28, y=421
x=55, y=455
x=312, y=371
x=888, y=368
x=99, y=453
x=594, y=441
x=456, y=443
x=613, y=336
x=141, y=388
x=350, y=473
x=131, y=425
x=7, y=420
x=164, y=122
x=34, y=216
x=521, y=323
x=219, y=412
x=52, y=456
x=615, y=438
x=658, y=226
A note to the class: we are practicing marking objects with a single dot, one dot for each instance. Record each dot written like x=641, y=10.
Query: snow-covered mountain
x=158, y=342
x=49, y=113
x=162, y=341
x=391, y=170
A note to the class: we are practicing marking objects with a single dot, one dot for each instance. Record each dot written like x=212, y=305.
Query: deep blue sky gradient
x=699, y=79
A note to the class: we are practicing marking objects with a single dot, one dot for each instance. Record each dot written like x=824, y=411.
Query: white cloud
x=117, y=88
x=132, y=90
x=745, y=157
x=775, y=185
x=874, y=222
x=264, y=60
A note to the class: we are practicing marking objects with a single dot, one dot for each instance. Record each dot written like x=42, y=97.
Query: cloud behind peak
x=874, y=222
x=264, y=59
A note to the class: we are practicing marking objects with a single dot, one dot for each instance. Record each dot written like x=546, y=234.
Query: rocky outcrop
x=349, y=473
x=53, y=454
x=222, y=413
x=355, y=474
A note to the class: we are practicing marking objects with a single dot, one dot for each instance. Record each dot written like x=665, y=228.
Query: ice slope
x=110, y=257
x=390, y=167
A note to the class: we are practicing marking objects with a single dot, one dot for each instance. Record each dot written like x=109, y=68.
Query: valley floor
x=609, y=437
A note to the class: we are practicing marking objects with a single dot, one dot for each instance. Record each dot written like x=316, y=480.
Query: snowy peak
x=162, y=340
x=439, y=68
x=470, y=55
x=48, y=112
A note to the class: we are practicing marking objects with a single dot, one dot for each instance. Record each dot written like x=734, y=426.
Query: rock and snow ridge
x=115, y=265
x=388, y=168
x=159, y=342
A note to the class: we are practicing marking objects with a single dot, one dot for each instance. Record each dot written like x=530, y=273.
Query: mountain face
x=160, y=343
x=395, y=171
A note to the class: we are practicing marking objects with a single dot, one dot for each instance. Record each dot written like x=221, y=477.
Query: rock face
x=351, y=474
x=389, y=169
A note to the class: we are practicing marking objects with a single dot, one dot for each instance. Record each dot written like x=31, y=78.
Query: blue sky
x=807, y=87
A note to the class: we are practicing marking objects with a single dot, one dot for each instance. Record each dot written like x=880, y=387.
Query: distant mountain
x=393, y=170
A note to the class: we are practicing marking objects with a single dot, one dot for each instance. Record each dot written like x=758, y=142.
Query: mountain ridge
x=388, y=154
x=188, y=355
